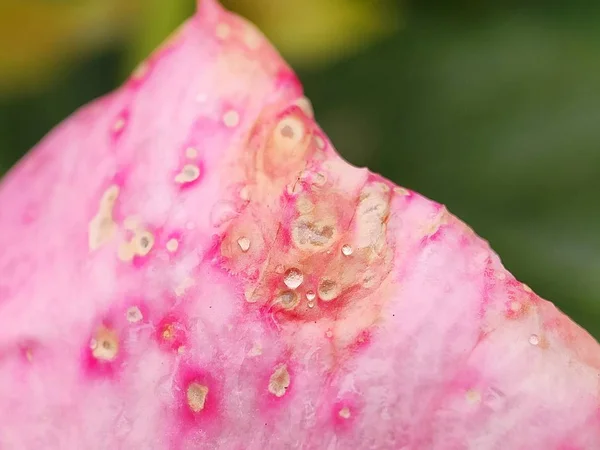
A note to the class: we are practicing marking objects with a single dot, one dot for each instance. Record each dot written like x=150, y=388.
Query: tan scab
x=306, y=106
x=134, y=314
x=279, y=381
x=345, y=413
x=105, y=344
x=473, y=397
x=188, y=174
x=371, y=215
x=102, y=227
x=308, y=234
x=196, y=396
x=288, y=300
x=140, y=245
x=328, y=289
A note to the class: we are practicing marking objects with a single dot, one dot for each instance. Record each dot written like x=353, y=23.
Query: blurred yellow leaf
x=37, y=36
x=315, y=32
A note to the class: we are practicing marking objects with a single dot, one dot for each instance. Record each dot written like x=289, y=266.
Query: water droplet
x=244, y=244
x=288, y=300
x=310, y=295
x=293, y=278
x=311, y=305
x=328, y=289
x=134, y=314
x=347, y=250
x=534, y=339
x=231, y=119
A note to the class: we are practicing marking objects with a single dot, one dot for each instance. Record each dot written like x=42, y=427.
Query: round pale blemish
x=223, y=31
x=306, y=106
x=196, y=394
x=310, y=304
x=256, y=350
x=189, y=173
x=328, y=289
x=288, y=300
x=245, y=193
x=329, y=334
x=500, y=276
x=347, y=250
x=293, y=278
x=534, y=339
x=118, y=125
x=244, y=244
x=105, y=344
x=516, y=306
x=289, y=132
x=133, y=314
x=172, y=245
x=191, y=153
x=231, y=119
x=252, y=38
x=319, y=179
x=472, y=396
x=527, y=288
x=345, y=413
x=279, y=381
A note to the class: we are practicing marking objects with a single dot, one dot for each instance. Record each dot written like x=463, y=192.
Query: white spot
x=329, y=334
x=244, y=244
x=119, y=125
x=516, y=306
x=279, y=381
x=231, y=119
x=306, y=107
x=534, y=339
x=345, y=413
x=223, y=31
x=310, y=296
x=188, y=174
x=134, y=314
x=293, y=278
x=172, y=245
x=347, y=250
x=191, y=153
x=500, y=275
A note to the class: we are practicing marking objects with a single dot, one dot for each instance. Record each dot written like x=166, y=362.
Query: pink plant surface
x=187, y=263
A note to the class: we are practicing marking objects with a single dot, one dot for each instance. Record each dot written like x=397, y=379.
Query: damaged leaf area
x=187, y=263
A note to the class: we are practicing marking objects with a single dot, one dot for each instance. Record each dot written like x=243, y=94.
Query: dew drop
x=244, y=244
x=347, y=250
x=293, y=278
x=534, y=339
x=311, y=305
x=310, y=296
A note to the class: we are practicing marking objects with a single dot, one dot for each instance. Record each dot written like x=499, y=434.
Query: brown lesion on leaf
x=196, y=395
x=279, y=381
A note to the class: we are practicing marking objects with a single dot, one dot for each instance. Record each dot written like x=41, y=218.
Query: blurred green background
x=492, y=108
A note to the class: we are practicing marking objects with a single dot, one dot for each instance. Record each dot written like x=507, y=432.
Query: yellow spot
x=172, y=245
x=196, y=396
x=288, y=300
x=105, y=344
x=252, y=38
x=191, y=153
x=293, y=278
x=345, y=413
x=102, y=227
x=279, y=381
x=231, y=119
x=223, y=31
x=134, y=314
x=328, y=290
x=119, y=125
x=141, y=244
x=256, y=350
x=168, y=332
x=400, y=191
x=140, y=71
x=244, y=244
x=188, y=174
x=473, y=396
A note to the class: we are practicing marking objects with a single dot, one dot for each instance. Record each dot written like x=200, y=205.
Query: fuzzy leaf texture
x=187, y=263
